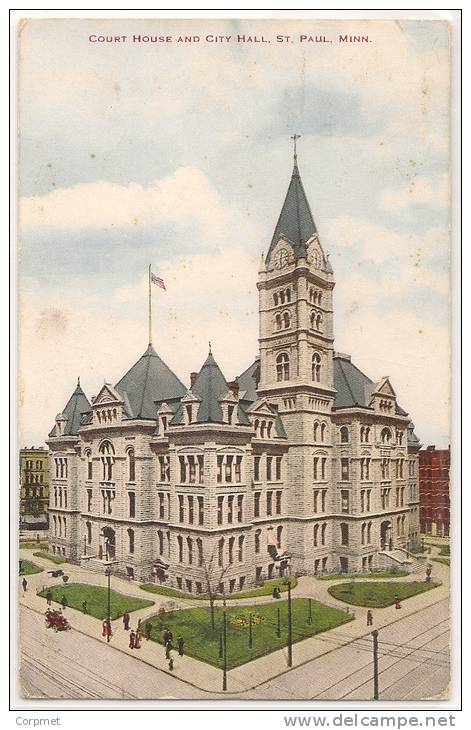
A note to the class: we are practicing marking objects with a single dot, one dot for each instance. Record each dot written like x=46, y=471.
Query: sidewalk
x=248, y=676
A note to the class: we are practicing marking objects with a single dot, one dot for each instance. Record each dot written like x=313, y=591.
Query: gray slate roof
x=149, y=380
x=76, y=406
x=248, y=382
x=295, y=222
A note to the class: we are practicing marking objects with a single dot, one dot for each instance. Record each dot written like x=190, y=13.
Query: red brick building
x=434, y=490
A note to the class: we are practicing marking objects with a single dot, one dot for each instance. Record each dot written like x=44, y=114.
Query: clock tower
x=295, y=304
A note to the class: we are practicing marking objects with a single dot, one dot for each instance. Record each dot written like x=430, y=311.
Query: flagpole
x=150, y=307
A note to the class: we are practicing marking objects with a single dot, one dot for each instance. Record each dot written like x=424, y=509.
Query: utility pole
x=224, y=665
x=290, y=627
x=374, y=634
x=108, y=575
x=309, y=615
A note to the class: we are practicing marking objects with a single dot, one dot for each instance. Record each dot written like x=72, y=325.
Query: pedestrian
x=180, y=643
x=170, y=664
x=49, y=597
x=132, y=636
x=148, y=630
x=139, y=625
x=104, y=628
x=84, y=607
x=168, y=649
x=64, y=602
x=109, y=632
x=24, y=583
x=369, y=617
x=166, y=637
x=170, y=637
x=397, y=602
x=126, y=621
x=137, y=639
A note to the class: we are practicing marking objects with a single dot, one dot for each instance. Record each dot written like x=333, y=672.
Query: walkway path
x=202, y=675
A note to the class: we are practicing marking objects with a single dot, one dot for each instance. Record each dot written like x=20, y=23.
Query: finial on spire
x=295, y=137
x=78, y=382
x=209, y=343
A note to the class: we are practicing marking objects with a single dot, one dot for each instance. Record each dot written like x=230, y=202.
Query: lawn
x=53, y=558
x=201, y=642
x=375, y=576
x=377, y=595
x=264, y=590
x=30, y=545
x=29, y=568
x=96, y=598
x=445, y=561
x=444, y=549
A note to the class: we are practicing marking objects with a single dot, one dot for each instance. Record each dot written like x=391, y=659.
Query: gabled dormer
x=164, y=416
x=263, y=418
x=108, y=406
x=190, y=404
x=383, y=397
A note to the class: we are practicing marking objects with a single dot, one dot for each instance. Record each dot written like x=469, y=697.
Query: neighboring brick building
x=434, y=490
x=34, y=488
x=300, y=464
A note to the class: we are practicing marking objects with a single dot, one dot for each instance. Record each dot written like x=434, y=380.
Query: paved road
x=413, y=664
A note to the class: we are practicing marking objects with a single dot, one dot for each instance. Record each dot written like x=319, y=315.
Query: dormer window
x=230, y=412
x=163, y=421
x=189, y=413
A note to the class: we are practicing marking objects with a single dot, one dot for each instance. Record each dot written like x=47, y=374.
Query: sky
x=178, y=154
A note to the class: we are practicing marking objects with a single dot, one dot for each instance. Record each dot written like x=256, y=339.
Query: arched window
x=180, y=548
x=323, y=428
x=88, y=456
x=316, y=431
x=282, y=367
x=107, y=460
x=344, y=435
x=288, y=295
x=278, y=321
x=131, y=541
x=262, y=430
x=257, y=540
x=312, y=295
x=221, y=552
x=160, y=538
x=275, y=299
x=313, y=320
x=88, y=525
x=282, y=297
x=316, y=534
x=279, y=533
x=255, y=425
x=131, y=465
x=318, y=321
x=199, y=551
x=385, y=436
x=286, y=321
x=363, y=533
x=189, y=543
x=316, y=367
x=323, y=531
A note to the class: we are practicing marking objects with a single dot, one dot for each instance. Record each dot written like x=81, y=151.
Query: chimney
x=430, y=448
x=234, y=388
x=193, y=377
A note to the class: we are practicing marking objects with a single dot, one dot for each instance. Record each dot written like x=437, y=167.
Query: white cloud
x=186, y=195
x=421, y=190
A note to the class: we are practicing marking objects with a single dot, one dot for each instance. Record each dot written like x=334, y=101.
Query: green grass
x=53, y=558
x=96, y=598
x=201, y=642
x=29, y=568
x=30, y=545
x=444, y=549
x=445, y=561
x=377, y=595
x=375, y=576
x=265, y=590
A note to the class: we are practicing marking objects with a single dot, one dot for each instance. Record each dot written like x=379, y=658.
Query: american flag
x=157, y=280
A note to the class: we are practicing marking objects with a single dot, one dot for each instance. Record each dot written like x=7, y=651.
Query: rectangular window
x=190, y=510
x=269, y=468
x=89, y=499
x=324, y=497
x=278, y=503
x=316, y=501
x=131, y=540
x=230, y=508
x=345, y=500
x=132, y=504
x=345, y=467
x=200, y=510
x=219, y=464
x=220, y=508
x=323, y=463
x=162, y=468
x=256, y=506
x=200, y=468
x=256, y=468
x=90, y=469
x=182, y=469
x=181, y=508
x=228, y=469
x=161, y=505
x=316, y=468
x=278, y=468
x=240, y=508
x=238, y=469
x=269, y=503
x=192, y=469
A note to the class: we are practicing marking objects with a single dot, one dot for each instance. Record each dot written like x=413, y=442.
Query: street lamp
x=108, y=632
x=290, y=626
x=309, y=615
x=250, y=632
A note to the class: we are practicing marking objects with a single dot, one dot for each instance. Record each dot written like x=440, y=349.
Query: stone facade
x=301, y=465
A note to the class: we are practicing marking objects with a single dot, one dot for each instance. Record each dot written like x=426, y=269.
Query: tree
x=213, y=575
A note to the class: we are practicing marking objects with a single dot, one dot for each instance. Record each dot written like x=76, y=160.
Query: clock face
x=281, y=258
x=314, y=258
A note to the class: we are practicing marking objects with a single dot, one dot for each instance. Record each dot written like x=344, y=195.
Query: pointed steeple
x=296, y=222
x=70, y=417
x=149, y=380
x=210, y=386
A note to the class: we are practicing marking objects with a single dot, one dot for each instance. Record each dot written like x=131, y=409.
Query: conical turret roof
x=77, y=404
x=149, y=380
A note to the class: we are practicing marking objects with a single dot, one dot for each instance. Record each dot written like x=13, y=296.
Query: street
x=413, y=664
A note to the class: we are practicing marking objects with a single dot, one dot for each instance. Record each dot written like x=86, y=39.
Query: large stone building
x=34, y=488
x=301, y=464
x=434, y=490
